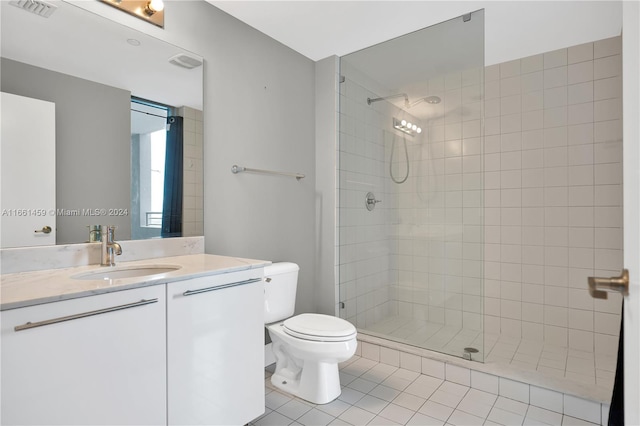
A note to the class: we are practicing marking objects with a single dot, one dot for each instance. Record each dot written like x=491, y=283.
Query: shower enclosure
x=411, y=201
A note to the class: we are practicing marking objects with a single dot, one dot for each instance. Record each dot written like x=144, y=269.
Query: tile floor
x=548, y=360
x=380, y=394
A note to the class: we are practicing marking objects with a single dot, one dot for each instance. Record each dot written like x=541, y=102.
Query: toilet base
x=308, y=369
x=317, y=382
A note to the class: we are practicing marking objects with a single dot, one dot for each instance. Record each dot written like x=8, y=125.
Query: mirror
x=91, y=68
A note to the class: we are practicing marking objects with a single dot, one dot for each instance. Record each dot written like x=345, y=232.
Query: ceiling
x=321, y=28
x=318, y=29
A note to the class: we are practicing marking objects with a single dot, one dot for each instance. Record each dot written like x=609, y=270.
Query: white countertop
x=22, y=289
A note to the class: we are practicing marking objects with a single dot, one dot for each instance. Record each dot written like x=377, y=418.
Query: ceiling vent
x=185, y=61
x=37, y=7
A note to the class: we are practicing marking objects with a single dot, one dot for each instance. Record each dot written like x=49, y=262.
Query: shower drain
x=468, y=352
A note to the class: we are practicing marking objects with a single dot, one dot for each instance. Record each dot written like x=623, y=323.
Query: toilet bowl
x=307, y=347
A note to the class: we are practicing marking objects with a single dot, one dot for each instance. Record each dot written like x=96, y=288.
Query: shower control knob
x=370, y=201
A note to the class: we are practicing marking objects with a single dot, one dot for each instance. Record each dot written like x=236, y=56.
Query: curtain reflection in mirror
x=173, y=178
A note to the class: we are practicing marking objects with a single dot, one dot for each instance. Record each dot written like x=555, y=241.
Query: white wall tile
x=581, y=93
x=582, y=409
x=583, y=113
x=547, y=399
x=605, y=414
x=580, y=72
x=510, y=86
x=456, y=374
x=514, y=390
x=555, y=58
x=607, y=109
x=607, y=88
x=580, y=53
x=531, y=64
x=607, y=47
x=581, y=340
x=610, y=66
x=390, y=356
x=510, y=69
x=410, y=362
x=370, y=351
x=555, y=77
x=484, y=382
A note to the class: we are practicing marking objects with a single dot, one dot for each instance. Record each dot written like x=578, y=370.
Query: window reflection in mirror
x=148, y=151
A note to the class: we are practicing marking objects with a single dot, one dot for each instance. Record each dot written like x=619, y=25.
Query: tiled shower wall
x=363, y=235
x=367, y=239
x=553, y=195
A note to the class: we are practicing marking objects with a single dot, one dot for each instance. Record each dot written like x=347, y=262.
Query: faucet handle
x=117, y=248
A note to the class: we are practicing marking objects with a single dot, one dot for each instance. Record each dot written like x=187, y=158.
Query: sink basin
x=126, y=272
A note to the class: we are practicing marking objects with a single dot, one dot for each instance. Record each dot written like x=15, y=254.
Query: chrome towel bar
x=238, y=169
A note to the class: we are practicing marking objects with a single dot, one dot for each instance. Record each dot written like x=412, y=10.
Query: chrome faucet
x=109, y=247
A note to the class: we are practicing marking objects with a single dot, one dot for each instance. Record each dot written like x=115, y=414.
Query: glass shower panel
x=411, y=188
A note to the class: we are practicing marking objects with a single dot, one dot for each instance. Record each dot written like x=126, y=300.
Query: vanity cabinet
x=92, y=360
x=215, y=351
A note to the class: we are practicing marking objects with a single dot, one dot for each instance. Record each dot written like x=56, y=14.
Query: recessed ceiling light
x=133, y=42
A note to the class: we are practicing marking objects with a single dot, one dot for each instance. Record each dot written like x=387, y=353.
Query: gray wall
x=259, y=112
x=93, y=133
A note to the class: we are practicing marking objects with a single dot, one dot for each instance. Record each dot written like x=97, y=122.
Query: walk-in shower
x=411, y=270
x=489, y=220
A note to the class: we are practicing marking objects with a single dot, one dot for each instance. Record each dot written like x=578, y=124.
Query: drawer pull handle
x=84, y=314
x=220, y=287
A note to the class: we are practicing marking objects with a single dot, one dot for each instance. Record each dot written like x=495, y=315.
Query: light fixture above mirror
x=148, y=10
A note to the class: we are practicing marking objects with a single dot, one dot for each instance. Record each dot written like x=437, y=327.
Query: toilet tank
x=281, y=282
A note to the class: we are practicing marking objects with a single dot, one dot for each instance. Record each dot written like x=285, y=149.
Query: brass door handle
x=598, y=287
x=44, y=230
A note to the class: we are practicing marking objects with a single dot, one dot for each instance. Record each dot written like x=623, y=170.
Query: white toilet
x=307, y=347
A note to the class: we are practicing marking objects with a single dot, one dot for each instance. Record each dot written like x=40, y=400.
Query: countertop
x=23, y=289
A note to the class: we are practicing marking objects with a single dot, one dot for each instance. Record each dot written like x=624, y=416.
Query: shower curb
x=572, y=399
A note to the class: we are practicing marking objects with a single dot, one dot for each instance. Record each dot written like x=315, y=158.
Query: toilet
x=307, y=347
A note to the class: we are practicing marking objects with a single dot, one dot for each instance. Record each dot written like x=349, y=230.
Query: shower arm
x=384, y=98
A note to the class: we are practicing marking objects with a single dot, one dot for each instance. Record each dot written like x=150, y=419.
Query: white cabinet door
x=108, y=367
x=28, y=171
x=215, y=353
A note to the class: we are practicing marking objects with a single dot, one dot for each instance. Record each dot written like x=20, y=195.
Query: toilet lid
x=318, y=327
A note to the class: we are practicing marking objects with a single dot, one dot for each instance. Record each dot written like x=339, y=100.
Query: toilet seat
x=319, y=328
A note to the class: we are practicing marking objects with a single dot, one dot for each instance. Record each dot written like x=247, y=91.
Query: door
x=28, y=172
x=631, y=166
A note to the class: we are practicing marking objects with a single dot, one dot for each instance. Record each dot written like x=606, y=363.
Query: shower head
x=428, y=99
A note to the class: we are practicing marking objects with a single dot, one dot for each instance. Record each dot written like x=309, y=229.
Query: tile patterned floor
x=548, y=360
x=380, y=394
